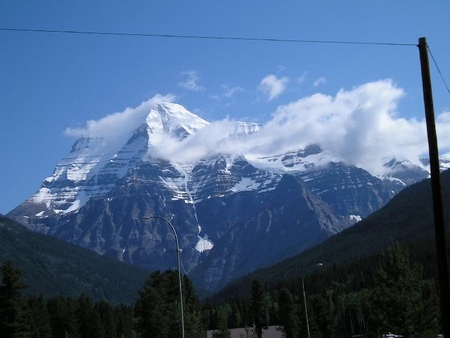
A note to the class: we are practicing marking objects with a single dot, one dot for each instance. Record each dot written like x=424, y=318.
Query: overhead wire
x=439, y=70
x=231, y=38
x=205, y=37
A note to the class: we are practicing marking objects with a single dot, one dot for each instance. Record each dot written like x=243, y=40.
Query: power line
x=204, y=37
x=439, y=71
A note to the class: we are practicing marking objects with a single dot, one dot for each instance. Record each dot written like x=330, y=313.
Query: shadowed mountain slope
x=52, y=267
x=407, y=219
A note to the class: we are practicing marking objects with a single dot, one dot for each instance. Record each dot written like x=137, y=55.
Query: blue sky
x=52, y=82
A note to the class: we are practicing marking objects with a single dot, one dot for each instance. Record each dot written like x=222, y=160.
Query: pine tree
x=63, y=321
x=287, y=314
x=124, y=317
x=234, y=318
x=89, y=323
x=192, y=311
x=12, y=306
x=397, y=300
x=151, y=308
x=107, y=320
x=158, y=309
x=39, y=318
x=222, y=321
x=259, y=307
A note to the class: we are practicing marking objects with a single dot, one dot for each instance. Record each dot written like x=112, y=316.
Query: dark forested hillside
x=407, y=219
x=55, y=268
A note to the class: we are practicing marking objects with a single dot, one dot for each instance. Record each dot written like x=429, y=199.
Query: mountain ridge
x=98, y=197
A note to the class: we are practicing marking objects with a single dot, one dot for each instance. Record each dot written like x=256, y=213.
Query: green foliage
x=288, y=314
x=223, y=331
x=193, y=320
x=12, y=309
x=54, y=268
x=39, y=317
x=371, y=297
x=157, y=309
x=259, y=308
x=157, y=306
x=397, y=296
x=32, y=316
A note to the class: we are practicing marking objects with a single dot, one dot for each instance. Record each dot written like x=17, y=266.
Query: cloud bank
x=360, y=126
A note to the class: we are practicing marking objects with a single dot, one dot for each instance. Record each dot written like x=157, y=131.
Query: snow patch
x=203, y=243
x=246, y=184
x=357, y=218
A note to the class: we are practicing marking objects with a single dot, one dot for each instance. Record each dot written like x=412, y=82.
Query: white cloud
x=273, y=87
x=359, y=127
x=120, y=123
x=191, y=81
x=319, y=81
x=211, y=139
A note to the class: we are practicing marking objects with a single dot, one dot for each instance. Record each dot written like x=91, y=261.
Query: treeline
x=155, y=314
x=393, y=292
x=374, y=296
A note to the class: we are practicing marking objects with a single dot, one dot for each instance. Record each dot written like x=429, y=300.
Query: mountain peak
x=172, y=118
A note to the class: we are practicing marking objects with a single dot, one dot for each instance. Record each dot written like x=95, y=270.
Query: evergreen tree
x=222, y=321
x=157, y=309
x=314, y=307
x=12, y=306
x=107, y=319
x=234, y=318
x=124, y=317
x=259, y=308
x=324, y=314
x=151, y=308
x=63, y=320
x=354, y=308
x=39, y=318
x=397, y=300
x=288, y=317
x=87, y=319
x=192, y=311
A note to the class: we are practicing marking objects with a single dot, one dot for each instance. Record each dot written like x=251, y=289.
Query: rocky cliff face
x=234, y=212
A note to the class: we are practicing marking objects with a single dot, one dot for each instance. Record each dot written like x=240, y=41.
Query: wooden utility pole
x=438, y=205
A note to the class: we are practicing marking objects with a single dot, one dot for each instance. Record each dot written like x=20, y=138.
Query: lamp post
x=304, y=299
x=179, y=267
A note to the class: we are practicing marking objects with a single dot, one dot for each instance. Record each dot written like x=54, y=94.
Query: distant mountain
x=407, y=219
x=236, y=208
x=53, y=268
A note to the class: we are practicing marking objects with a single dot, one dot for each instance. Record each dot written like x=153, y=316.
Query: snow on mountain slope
x=105, y=153
x=225, y=187
x=96, y=162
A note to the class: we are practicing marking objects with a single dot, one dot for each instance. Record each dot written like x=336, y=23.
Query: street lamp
x=179, y=267
x=304, y=299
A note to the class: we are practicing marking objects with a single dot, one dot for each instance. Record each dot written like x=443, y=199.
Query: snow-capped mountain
x=235, y=208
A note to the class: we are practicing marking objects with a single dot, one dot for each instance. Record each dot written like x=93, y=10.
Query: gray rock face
x=232, y=214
